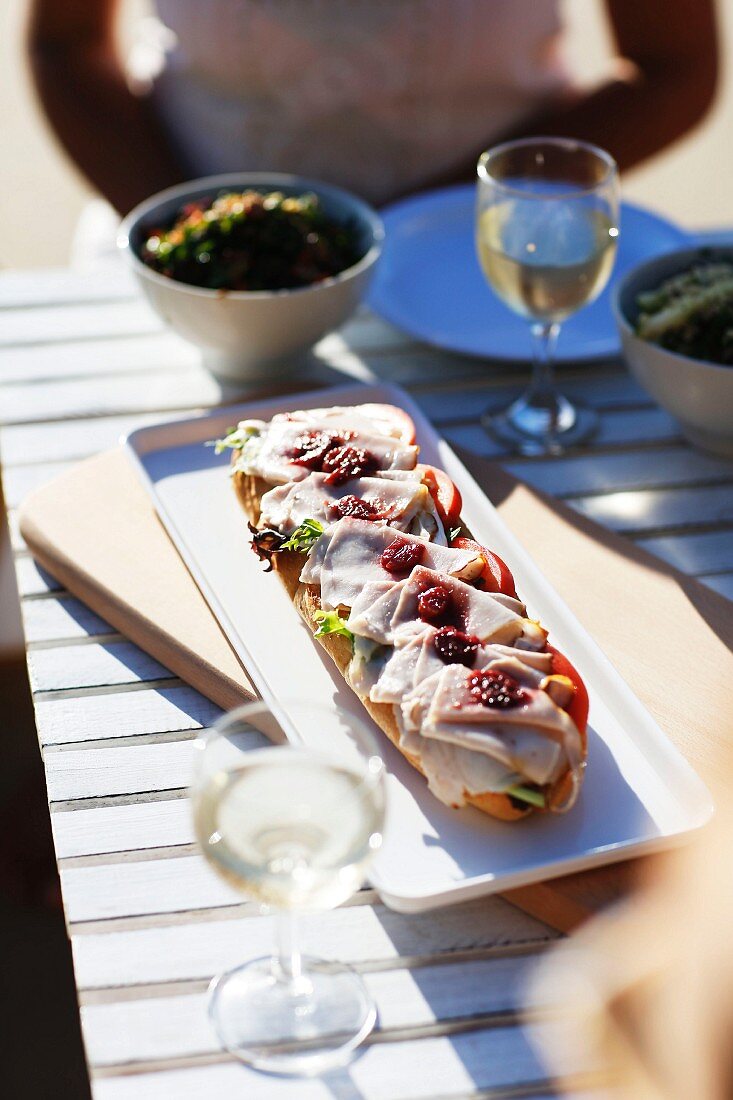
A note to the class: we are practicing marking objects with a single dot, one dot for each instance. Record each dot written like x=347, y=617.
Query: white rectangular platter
x=639, y=793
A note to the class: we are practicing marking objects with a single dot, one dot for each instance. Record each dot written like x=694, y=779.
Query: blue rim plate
x=428, y=281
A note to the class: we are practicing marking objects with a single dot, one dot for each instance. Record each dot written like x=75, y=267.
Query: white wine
x=289, y=828
x=545, y=259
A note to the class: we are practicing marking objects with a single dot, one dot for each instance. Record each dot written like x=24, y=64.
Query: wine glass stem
x=542, y=393
x=288, y=949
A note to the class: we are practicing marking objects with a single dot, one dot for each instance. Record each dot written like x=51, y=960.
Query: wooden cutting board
x=95, y=530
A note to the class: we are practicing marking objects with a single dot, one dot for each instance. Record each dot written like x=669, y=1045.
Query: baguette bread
x=288, y=565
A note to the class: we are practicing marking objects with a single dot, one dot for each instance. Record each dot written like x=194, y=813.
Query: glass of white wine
x=547, y=226
x=294, y=826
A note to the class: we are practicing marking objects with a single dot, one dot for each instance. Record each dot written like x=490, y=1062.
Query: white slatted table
x=82, y=359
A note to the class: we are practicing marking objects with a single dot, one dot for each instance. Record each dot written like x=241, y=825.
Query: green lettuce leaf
x=330, y=622
x=304, y=536
x=528, y=794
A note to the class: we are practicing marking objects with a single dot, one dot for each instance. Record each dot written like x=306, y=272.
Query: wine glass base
x=291, y=1028
x=529, y=428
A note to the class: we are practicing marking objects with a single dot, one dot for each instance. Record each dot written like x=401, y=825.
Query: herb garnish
x=234, y=439
x=304, y=537
x=330, y=622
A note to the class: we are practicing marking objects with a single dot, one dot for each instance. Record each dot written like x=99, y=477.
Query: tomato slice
x=392, y=413
x=579, y=705
x=447, y=499
x=497, y=576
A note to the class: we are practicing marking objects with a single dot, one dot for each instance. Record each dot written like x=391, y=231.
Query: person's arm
x=669, y=50
x=111, y=134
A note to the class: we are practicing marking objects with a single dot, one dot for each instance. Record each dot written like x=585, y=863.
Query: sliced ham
x=311, y=571
x=536, y=739
x=472, y=611
x=366, y=419
x=373, y=611
x=399, y=674
x=397, y=501
x=366, y=665
x=453, y=772
x=413, y=707
x=268, y=452
x=511, y=602
x=415, y=659
x=542, y=662
x=353, y=559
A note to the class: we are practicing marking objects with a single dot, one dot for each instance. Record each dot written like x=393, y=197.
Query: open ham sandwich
x=424, y=623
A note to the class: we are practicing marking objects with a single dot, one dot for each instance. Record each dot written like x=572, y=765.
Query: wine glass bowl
x=293, y=826
x=546, y=236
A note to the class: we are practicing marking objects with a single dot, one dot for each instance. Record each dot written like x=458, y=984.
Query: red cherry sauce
x=355, y=507
x=345, y=462
x=454, y=647
x=310, y=448
x=496, y=689
x=401, y=556
x=435, y=604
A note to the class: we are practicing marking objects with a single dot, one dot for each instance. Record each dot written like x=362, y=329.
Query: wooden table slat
x=59, y=441
x=721, y=582
x=92, y=666
x=35, y=287
x=95, y=359
x=33, y=580
x=48, y=620
x=649, y=508
x=607, y=387
x=107, y=829
x=160, y=391
x=152, y=886
x=632, y=428
x=410, y=1070
x=695, y=554
x=604, y=473
x=101, y=717
x=358, y=934
x=159, y=1028
x=78, y=321
x=103, y=772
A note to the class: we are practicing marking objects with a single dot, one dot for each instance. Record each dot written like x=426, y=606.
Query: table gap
x=106, y=689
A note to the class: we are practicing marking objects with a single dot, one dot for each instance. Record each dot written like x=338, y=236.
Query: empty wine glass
x=294, y=826
x=546, y=235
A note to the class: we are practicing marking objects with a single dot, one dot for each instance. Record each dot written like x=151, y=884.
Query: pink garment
x=379, y=96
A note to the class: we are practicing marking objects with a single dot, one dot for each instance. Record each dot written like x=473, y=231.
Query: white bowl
x=698, y=394
x=251, y=334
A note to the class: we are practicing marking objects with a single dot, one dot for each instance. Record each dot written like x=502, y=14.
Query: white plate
x=428, y=281
x=639, y=793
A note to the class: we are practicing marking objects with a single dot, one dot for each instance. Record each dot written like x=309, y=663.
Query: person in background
x=383, y=97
